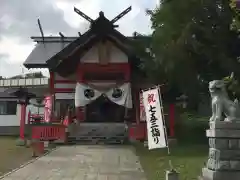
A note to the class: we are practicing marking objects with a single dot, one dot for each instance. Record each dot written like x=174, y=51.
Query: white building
x=10, y=112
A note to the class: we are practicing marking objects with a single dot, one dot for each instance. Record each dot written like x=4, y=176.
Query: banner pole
x=157, y=86
x=165, y=129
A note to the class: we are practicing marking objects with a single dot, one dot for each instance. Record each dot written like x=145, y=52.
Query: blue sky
x=18, y=21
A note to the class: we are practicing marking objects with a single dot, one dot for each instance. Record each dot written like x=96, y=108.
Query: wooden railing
x=48, y=132
x=45, y=131
x=35, y=118
x=39, y=118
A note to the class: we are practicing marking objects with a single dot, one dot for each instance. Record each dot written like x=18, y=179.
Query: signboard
x=154, y=117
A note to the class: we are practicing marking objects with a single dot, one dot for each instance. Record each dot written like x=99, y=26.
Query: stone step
x=98, y=130
x=96, y=140
x=97, y=133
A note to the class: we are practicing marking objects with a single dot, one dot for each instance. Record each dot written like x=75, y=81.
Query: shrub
x=191, y=128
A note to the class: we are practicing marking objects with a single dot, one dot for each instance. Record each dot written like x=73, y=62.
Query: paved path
x=83, y=163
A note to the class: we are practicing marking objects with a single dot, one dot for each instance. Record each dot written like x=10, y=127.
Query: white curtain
x=80, y=98
x=125, y=100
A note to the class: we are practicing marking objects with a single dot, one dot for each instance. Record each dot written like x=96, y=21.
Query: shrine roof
x=57, y=39
x=70, y=55
x=52, y=52
x=47, y=48
x=42, y=52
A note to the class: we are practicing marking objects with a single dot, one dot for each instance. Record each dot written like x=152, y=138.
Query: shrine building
x=93, y=74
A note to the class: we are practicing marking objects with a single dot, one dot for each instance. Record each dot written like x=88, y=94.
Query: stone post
x=224, y=151
x=172, y=175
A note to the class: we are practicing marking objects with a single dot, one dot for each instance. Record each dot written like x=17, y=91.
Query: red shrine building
x=92, y=74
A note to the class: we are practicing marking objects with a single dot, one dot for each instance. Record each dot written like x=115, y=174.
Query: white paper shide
x=154, y=118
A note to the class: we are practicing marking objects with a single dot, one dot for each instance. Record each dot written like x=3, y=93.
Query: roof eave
x=33, y=66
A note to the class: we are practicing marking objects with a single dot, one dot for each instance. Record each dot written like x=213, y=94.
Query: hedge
x=192, y=128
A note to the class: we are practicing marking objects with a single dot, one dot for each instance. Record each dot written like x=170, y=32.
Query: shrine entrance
x=103, y=110
x=95, y=71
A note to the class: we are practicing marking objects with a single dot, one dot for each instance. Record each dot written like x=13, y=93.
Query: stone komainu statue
x=221, y=104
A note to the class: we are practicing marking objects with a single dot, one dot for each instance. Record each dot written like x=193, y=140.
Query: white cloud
x=17, y=52
x=16, y=31
x=136, y=20
x=6, y=21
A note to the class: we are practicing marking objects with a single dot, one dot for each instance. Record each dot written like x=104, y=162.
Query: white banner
x=80, y=96
x=47, y=108
x=154, y=118
x=124, y=99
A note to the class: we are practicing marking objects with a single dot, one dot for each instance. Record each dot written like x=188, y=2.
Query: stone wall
x=224, y=151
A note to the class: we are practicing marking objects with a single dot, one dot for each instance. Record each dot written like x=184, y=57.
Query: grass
x=188, y=160
x=12, y=156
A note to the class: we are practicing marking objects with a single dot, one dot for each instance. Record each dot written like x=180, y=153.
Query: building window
x=8, y=107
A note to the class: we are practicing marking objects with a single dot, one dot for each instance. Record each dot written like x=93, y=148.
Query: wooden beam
x=102, y=53
x=61, y=34
x=41, y=30
x=121, y=14
x=83, y=15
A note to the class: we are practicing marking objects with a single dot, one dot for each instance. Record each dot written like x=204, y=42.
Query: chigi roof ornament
x=83, y=15
x=41, y=30
x=121, y=14
x=101, y=15
x=51, y=51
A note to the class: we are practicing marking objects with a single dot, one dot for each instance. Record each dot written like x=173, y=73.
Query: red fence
x=48, y=132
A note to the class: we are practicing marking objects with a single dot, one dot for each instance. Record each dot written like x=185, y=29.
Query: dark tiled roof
x=55, y=50
x=19, y=92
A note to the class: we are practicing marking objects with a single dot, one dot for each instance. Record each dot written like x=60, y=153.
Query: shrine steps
x=97, y=133
x=95, y=140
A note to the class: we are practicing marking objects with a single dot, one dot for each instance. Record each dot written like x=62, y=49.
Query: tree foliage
x=234, y=4
x=192, y=44
x=29, y=75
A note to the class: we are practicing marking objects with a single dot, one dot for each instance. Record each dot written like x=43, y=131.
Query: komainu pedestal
x=224, y=151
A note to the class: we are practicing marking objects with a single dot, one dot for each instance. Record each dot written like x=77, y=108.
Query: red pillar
x=22, y=120
x=137, y=106
x=171, y=120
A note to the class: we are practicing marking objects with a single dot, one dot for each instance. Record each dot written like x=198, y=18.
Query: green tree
x=35, y=75
x=236, y=18
x=192, y=44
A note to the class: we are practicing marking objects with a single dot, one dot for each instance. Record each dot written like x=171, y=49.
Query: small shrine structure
x=92, y=75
